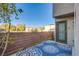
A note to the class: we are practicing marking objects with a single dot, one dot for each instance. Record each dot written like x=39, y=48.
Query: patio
x=47, y=48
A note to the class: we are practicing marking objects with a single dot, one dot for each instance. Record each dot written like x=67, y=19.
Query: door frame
x=57, y=32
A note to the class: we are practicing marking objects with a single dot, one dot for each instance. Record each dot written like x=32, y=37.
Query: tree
x=20, y=27
x=35, y=30
x=6, y=11
x=42, y=28
x=12, y=28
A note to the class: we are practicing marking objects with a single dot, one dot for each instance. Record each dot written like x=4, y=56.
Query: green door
x=61, y=32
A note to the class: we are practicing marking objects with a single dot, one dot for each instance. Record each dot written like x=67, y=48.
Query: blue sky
x=35, y=14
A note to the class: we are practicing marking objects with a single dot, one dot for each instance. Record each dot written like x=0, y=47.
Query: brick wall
x=26, y=39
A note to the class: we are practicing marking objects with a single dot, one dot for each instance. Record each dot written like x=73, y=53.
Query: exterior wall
x=63, y=8
x=76, y=30
x=49, y=28
x=28, y=29
x=69, y=29
x=46, y=28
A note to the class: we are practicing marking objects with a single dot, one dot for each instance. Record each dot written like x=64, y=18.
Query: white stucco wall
x=49, y=28
x=76, y=30
x=70, y=32
x=63, y=8
x=46, y=28
x=28, y=29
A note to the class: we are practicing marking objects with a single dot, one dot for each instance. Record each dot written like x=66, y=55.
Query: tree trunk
x=7, y=38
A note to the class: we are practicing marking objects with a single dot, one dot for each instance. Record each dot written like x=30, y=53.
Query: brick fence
x=26, y=39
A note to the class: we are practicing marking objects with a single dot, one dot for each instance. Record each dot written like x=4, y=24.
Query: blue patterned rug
x=47, y=48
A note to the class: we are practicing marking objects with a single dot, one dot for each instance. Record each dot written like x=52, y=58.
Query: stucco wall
x=50, y=28
x=63, y=8
x=76, y=30
x=70, y=32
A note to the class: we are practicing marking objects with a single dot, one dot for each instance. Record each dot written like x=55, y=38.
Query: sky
x=35, y=14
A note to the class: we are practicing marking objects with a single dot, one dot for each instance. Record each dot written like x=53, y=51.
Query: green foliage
x=5, y=27
x=20, y=27
x=42, y=28
x=7, y=10
x=35, y=30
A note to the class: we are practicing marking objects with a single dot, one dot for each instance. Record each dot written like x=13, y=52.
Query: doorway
x=61, y=31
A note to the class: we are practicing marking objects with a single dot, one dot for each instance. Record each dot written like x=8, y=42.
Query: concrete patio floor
x=46, y=48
